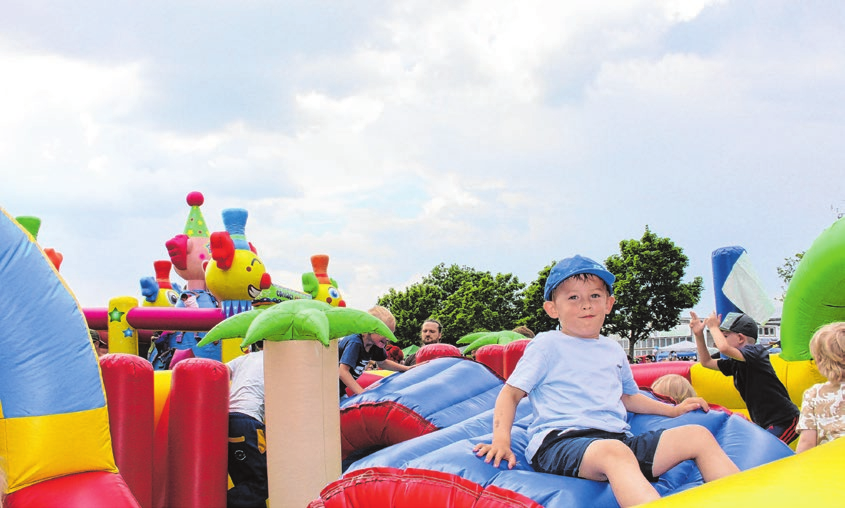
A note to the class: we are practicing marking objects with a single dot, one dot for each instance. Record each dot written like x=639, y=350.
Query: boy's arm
x=503, y=415
x=344, y=372
x=639, y=403
x=391, y=365
x=696, y=326
x=712, y=324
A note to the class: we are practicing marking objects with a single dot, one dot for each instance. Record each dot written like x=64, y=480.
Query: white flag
x=744, y=289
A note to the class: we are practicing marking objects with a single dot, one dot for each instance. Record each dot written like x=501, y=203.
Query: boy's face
x=734, y=339
x=371, y=339
x=580, y=306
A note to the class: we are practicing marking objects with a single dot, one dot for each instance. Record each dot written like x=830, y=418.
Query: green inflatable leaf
x=306, y=320
x=280, y=323
x=413, y=348
x=503, y=337
x=234, y=327
x=471, y=337
x=345, y=321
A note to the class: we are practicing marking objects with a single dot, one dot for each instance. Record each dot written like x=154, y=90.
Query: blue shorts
x=562, y=454
x=785, y=431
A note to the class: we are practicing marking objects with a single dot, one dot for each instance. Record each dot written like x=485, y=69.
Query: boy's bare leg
x=692, y=442
x=610, y=460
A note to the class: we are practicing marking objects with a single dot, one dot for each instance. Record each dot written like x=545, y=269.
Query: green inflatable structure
x=816, y=293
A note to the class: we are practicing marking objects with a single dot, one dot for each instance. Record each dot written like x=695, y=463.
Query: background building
x=681, y=335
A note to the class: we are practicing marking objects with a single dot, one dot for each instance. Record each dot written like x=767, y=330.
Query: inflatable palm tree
x=300, y=389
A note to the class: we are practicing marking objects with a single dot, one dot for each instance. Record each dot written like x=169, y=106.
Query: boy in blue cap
x=580, y=388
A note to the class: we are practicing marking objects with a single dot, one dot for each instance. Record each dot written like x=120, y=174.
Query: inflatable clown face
x=190, y=252
x=156, y=296
x=189, y=256
x=158, y=291
x=319, y=285
x=330, y=294
x=234, y=274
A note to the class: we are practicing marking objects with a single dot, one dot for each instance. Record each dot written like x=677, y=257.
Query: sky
x=397, y=135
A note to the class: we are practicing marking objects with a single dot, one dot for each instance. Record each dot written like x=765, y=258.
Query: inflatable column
x=723, y=262
x=303, y=420
x=198, y=434
x=123, y=338
x=129, y=387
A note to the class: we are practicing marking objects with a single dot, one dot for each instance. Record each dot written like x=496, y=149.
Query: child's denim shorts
x=561, y=454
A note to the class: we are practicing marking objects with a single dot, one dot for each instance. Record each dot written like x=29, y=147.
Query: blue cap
x=573, y=266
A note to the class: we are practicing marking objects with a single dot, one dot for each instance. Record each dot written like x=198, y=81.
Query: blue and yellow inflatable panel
x=53, y=414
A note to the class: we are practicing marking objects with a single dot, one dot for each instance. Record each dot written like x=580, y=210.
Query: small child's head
x=385, y=315
x=576, y=266
x=828, y=349
x=674, y=386
x=578, y=294
x=524, y=330
x=741, y=324
x=387, y=318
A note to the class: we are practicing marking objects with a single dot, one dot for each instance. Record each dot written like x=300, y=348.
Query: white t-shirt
x=246, y=395
x=573, y=384
x=823, y=410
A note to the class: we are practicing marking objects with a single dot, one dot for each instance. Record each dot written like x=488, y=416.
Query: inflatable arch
x=55, y=440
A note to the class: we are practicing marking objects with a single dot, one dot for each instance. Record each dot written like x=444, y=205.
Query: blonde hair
x=524, y=330
x=828, y=349
x=385, y=315
x=674, y=386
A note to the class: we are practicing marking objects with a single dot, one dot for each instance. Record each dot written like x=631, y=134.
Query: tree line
x=649, y=290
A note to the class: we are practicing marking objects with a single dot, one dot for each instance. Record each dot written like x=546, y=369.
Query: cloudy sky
x=396, y=135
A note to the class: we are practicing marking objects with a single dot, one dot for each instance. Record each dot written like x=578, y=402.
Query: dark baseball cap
x=573, y=266
x=738, y=322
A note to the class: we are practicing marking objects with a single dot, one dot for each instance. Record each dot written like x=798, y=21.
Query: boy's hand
x=713, y=320
x=696, y=325
x=691, y=404
x=495, y=453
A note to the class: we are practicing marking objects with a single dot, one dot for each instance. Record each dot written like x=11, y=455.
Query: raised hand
x=696, y=325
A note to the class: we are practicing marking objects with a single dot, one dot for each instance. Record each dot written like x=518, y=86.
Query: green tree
x=482, y=303
x=463, y=299
x=411, y=308
x=649, y=293
x=786, y=271
x=533, y=314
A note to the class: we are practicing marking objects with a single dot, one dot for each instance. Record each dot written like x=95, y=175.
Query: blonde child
x=355, y=352
x=674, y=386
x=823, y=410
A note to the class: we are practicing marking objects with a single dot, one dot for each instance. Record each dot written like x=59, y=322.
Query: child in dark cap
x=765, y=396
x=580, y=387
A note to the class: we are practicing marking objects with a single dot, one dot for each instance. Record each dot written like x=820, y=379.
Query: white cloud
x=482, y=133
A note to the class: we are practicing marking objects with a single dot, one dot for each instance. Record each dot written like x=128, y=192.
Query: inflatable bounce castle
x=113, y=433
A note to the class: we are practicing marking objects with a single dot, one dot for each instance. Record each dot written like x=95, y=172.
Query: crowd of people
x=671, y=357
